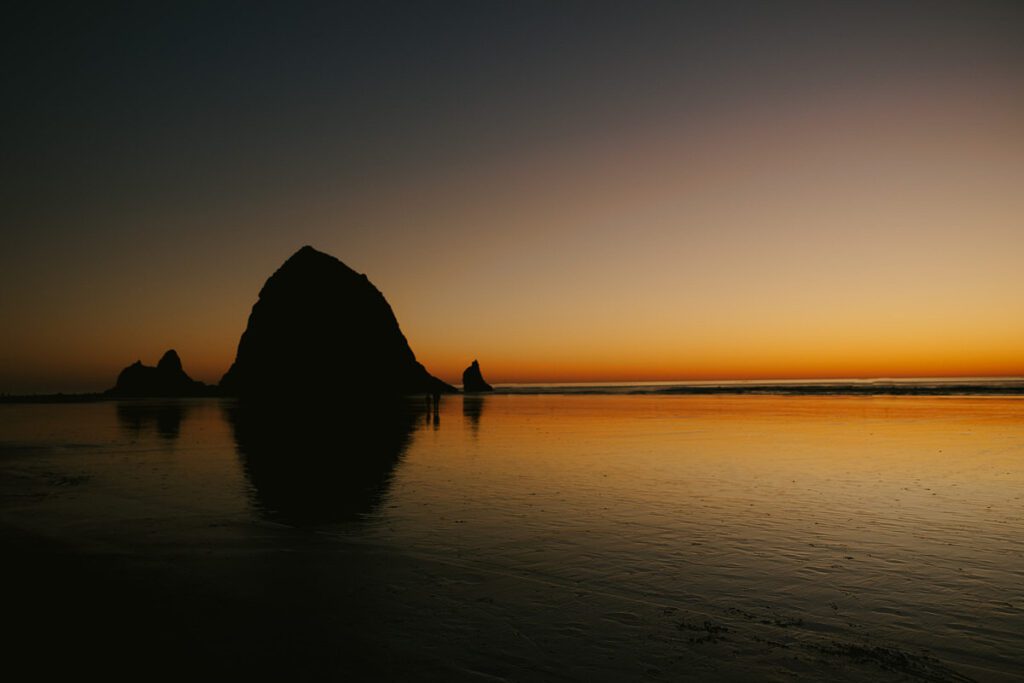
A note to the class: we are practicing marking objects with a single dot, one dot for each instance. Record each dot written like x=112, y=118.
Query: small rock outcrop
x=168, y=378
x=473, y=380
x=322, y=330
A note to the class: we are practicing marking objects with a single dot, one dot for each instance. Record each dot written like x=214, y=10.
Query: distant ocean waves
x=886, y=387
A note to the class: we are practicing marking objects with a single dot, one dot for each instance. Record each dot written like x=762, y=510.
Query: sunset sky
x=565, y=191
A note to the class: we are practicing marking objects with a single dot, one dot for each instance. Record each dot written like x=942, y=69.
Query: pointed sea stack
x=168, y=378
x=473, y=380
x=322, y=330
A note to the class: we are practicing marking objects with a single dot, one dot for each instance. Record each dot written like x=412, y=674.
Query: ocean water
x=542, y=536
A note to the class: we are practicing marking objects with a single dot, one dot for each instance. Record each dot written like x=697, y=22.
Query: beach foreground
x=521, y=537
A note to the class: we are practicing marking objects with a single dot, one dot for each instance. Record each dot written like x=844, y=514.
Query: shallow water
x=551, y=537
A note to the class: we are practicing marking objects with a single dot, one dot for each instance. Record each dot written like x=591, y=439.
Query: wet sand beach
x=522, y=537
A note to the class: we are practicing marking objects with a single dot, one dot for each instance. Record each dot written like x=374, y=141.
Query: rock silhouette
x=320, y=329
x=473, y=410
x=310, y=464
x=168, y=378
x=162, y=417
x=473, y=380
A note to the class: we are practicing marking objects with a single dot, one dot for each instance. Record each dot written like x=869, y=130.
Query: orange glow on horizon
x=549, y=372
x=862, y=232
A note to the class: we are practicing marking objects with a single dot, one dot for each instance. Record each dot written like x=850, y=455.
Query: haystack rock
x=473, y=380
x=168, y=378
x=322, y=330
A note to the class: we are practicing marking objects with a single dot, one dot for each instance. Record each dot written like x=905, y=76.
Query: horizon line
x=638, y=382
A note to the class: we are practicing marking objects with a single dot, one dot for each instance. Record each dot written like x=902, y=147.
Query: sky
x=566, y=191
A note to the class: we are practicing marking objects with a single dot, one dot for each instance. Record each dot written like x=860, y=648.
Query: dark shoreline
x=127, y=614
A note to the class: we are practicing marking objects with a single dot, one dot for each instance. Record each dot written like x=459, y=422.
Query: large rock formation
x=320, y=329
x=473, y=380
x=168, y=378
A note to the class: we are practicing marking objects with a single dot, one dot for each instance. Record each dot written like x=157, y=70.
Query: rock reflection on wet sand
x=531, y=538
